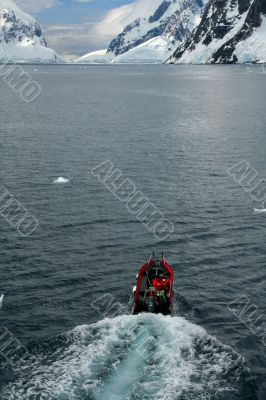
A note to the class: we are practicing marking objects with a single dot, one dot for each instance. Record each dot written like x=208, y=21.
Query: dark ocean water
x=174, y=131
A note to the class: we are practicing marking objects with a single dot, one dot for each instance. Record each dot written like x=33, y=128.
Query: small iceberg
x=1, y=300
x=61, y=180
x=260, y=210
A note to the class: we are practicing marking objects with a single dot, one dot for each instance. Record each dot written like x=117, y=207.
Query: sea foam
x=146, y=357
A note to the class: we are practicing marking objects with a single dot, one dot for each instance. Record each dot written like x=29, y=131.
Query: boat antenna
x=152, y=256
x=162, y=256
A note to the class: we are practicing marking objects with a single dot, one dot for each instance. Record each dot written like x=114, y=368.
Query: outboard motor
x=152, y=305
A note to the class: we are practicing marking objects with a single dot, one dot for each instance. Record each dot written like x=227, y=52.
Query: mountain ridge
x=173, y=19
x=231, y=31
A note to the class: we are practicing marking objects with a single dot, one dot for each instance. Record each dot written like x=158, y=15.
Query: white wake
x=144, y=357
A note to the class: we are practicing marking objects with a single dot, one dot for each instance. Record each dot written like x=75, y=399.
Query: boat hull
x=147, y=297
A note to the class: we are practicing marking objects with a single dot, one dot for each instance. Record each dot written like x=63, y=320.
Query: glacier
x=154, y=51
x=94, y=57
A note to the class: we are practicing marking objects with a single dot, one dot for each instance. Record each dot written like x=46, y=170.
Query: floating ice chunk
x=61, y=180
x=260, y=210
x=1, y=300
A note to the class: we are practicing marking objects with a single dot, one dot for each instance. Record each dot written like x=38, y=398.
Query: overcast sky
x=75, y=27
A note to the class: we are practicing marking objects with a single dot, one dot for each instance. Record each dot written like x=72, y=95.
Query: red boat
x=153, y=292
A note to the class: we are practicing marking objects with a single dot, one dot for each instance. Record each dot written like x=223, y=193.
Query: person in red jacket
x=160, y=284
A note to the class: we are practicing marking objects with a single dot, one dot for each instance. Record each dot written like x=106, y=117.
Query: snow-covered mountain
x=231, y=31
x=21, y=38
x=152, y=30
x=173, y=19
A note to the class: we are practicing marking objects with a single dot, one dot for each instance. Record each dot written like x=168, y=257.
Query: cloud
x=88, y=35
x=77, y=39
x=34, y=6
x=117, y=19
